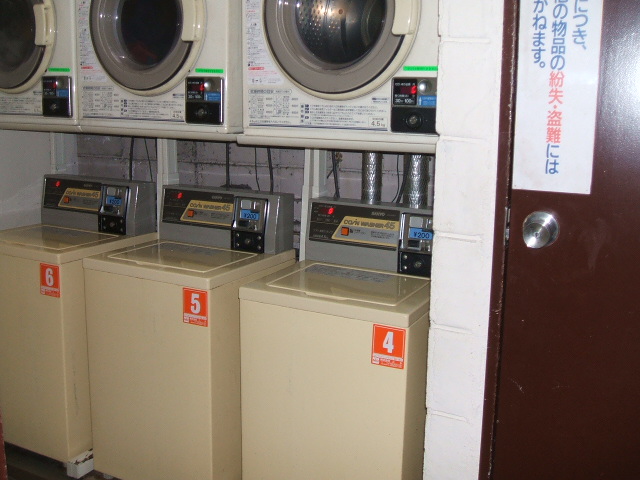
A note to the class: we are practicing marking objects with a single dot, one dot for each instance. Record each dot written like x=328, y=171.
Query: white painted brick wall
x=468, y=107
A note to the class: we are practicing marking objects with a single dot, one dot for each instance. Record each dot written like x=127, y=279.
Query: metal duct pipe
x=371, y=177
x=416, y=169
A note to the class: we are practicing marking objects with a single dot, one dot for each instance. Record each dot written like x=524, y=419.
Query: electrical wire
x=334, y=167
x=270, y=169
x=255, y=164
x=405, y=169
x=146, y=147
x=228, y=165
x=395, y=199
x=133, y=139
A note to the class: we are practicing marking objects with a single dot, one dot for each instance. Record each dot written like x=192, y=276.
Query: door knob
x=540, y=229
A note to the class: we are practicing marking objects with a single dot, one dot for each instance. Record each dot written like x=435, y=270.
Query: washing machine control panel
x=113, y=209
x=249, y=224
x=416, y=244
x=243, y=220
x=384, y=236
x=414, y=105
x=56, y=97
x=203, y=99
x=106, y=205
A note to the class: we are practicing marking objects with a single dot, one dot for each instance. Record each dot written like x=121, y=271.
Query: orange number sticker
x=387, y=348
x=195, y=307
x=50, y=280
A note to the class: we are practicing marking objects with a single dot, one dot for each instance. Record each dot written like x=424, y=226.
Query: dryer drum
x=340, y=31
x=20, y=57
x=332, y=46
x=138, y=42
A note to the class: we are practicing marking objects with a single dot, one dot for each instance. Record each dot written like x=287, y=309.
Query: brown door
x=568, y=401
x=3, y=460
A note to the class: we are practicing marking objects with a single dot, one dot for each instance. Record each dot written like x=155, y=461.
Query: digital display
x=420, y=234
x=115, y=201
x=246, y=214
x=326, y=210
x=406, y=89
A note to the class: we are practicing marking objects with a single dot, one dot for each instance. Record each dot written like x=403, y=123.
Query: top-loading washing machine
x=38, y=65
x=338, y=74
x=163, y=327
x=44, y=378
x=334, y=350
x=161, y=68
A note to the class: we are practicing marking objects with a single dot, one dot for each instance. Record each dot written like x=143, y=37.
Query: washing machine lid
x=147, y=46
x=339, y=283
x=183, y=257
x=27, y=34
x=53, y=239
x=342, y=48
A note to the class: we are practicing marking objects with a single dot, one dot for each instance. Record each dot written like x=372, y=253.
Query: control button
x=246, y=204
x=413, y=121
x=191, y=213
x=345, y=231
x=111, y=191
x=66, y=199
x=424, y=86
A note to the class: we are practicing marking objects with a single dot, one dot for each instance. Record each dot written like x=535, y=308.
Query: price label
x=388, y=345
x=195, y=307
x=50, y=280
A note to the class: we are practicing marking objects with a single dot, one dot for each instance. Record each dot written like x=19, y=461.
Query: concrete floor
x=25, y=465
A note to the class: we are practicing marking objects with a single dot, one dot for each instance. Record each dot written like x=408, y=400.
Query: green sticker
x=210, y=70
x=421, y=69
x=60, y=70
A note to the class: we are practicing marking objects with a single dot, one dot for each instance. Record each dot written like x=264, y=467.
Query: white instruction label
x=24, y=104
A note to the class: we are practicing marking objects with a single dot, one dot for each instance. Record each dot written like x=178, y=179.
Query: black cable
x=404, y=181
x=228, y=165
x=334, y=167
x=395, y=199
x=270, y=169
x=146, y=147
x=255, y=164
x=131, y=158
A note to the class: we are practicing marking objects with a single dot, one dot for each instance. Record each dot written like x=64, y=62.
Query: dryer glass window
x=340, y=32
x=19, y=56
x=138, y=42
x=332, y=46
x=150, y=29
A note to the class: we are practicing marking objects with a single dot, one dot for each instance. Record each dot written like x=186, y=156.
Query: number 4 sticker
x=50, y=280
x=388, y=345
x=195, y=307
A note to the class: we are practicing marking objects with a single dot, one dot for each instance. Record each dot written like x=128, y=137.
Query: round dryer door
x=340, y=48
x=147, y=46
x=27, y=34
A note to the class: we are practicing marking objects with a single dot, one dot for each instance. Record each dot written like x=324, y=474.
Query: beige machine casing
x=314, y=405
x=44, y=378
x=166, y=394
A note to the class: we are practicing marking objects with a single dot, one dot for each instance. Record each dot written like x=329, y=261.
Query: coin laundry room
x=399, y=291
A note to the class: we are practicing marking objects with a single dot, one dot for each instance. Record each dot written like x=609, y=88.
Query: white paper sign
x=557, y=89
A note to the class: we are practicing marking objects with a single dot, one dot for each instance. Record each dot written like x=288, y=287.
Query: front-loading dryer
x=357, y=74
x=37, y=65
x=162, y=68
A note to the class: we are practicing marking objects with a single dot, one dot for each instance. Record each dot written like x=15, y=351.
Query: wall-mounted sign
x=557, y=90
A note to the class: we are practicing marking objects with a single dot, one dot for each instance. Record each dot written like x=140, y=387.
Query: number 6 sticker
x=50, y=280
x=195, y=307
x=388, y=345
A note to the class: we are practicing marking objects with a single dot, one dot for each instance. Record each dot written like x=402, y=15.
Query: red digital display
x=406, y=89
x=327, y=210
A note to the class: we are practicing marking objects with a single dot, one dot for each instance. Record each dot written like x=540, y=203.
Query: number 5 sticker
x=195, y=307
x=50, y=280
x=388, y=345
